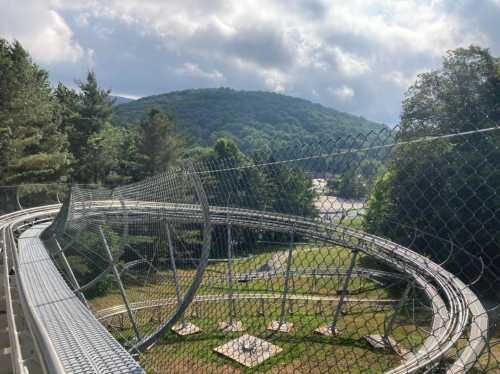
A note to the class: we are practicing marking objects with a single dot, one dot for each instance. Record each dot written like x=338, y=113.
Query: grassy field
x=303, y=350
x=161, y=285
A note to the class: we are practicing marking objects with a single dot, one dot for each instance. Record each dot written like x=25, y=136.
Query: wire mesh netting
x=13, y=198
x=374, y=253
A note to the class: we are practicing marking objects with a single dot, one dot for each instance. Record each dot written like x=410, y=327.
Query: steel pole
x=343, y=290
x=72, y=277
x=287, y=277
x=120, y=285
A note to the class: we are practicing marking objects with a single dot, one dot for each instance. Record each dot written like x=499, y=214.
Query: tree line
x=65, y=135
x=439, y=196
x=443, y=197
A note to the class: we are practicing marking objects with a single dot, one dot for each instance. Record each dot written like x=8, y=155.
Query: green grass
x=303, y=350
x=215, y=280
x=347, y=353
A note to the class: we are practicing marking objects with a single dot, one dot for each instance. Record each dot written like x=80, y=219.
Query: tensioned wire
x=355, y=150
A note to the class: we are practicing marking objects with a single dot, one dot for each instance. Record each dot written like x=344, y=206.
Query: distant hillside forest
x=86, y=135
x=59, y=134
x=254, y=119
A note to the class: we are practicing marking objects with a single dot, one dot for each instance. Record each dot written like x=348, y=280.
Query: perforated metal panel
x=81, y=342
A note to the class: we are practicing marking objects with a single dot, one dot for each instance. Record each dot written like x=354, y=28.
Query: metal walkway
x=82, y=344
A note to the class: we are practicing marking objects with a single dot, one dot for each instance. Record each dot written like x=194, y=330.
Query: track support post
x=120, y=285
x=232, y=325
x=281, y=325
x=183, y=328
x=332, y=329
x=71, y=275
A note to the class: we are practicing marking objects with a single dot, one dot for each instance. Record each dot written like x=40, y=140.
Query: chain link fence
x=370, y=253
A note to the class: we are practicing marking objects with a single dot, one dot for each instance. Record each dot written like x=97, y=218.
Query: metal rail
x=452, y=315
x=113, y=311
x=455, y=307
x=53, y=315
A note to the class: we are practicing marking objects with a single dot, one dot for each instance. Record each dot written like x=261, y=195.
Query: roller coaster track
x=457, y=312
x=120, y=309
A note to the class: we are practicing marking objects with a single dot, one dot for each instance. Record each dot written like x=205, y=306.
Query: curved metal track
x=455, y=307
x=456, y=310
x=120, y=309
x=66, y=335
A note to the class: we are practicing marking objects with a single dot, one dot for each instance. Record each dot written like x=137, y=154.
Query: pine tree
x=95, y=106
x=86, y=117
x=159, y=146
x=32, y=147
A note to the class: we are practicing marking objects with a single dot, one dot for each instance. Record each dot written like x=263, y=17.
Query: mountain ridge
x=252, y=118
x=118, y=100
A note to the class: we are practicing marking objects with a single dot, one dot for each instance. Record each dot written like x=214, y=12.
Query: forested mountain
x=252, y=118
x=117, y=100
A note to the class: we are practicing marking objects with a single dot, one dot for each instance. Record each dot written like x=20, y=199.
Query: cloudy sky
x=358, y=55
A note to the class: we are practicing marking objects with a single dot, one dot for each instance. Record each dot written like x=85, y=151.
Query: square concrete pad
x=186, y=328
x=326, y=330
x=285, y=327
x=248, y=350
x=235, y=326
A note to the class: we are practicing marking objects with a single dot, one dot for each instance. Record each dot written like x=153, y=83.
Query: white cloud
x=496, y=2
x=371, y=49
x=418, y=26
x=41, y=30
x=399, y=78
x=82, y=19
x=275, y=81
x=343, y=93
x=192, y=70
x=348, y=64
x=391, y=26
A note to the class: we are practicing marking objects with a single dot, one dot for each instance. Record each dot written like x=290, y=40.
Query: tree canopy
x=86, y=118
x=253, y=119
x=443, y=194
x=32, y=146
x=159, y=146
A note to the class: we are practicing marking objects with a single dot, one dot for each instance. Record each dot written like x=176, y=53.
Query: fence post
x=287, y=279
x=230, y=274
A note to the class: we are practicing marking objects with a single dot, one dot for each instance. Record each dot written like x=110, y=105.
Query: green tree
x=103, y=159
x=356, y=180
x=32, y=147
x=67, y=99
x=463, y=95
x=446, y=190
x=288, y=189
x=87, y=118
x=159, y=146
x=95, y=107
